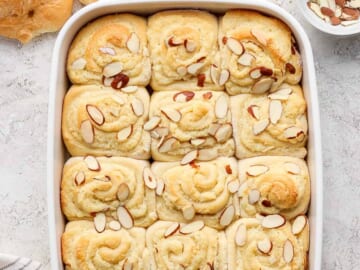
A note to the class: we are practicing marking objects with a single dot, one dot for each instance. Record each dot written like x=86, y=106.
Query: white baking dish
x=59, y=85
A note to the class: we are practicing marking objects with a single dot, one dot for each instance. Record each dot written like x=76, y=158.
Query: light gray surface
x=24, y=79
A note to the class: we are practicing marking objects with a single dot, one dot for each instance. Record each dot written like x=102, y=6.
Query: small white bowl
x=314, y=20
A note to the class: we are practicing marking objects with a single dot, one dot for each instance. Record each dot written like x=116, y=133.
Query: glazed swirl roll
x=273, y=124
x=100, y=121
x=186, y=121
x=193, y=246
x=112, y=51
x=183, y=48
x=258, y=51
x=93, y=185
x=84, y=248
x=273, y=185
x=198, y=191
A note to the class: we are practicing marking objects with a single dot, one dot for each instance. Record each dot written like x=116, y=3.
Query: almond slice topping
x=241, y=235
x=149, y=178
x=124, y=134
x=207, y=95
x=129, y=89
x=260, y=126
x=233, y=186
x=264, y=246
x=183, y=96
x=172, y=114
x=78, y=64
x=260, y=36
x=224, y=76
x=213, y=128
x=137, y=106
x=119, y=81
x=288, y=252
x=160, y=187
x=282, y=94
x=107, y=81
x=107, y=50
x=273, y=221
x=221, y=107
x=298, y=224
x=152, y=123
x=223, y=133
x=235, y=46
x=194, y=68
x=100, y=222
x=197, y=141
x=254, y=196
x=125, y=218
x=190, y=45
x=114, y=225
x=257, y=170
x=189, y=157
x=87, y=131
x=275, y=111
x=292, y=168
x=112, y=69
x=92, y=163
x=173, y=42
x=79, y=178
x=214, y=73
x=161, y=131
x=133, y=43
x=262, y=86
x=172, y=230
x=293, y=132
x=207, y=154
x=246, y=59
x=227, y=215
x=95, y=114
x=254, y=111
x=189, y=212
x=243, y=187
x=123, y=192
x=167, y=145
x=255, y=73
x=192, y=227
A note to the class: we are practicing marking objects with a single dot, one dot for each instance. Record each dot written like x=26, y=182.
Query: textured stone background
x=24, y=80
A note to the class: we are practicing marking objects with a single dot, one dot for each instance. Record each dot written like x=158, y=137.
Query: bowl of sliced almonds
x=335, y=17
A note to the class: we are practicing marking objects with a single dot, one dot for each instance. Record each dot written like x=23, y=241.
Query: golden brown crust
x=24, y=20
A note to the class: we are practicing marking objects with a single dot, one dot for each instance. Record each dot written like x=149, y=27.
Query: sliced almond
x=227, y=215
x=172, y=114
x=257, y=170
x=192, y=227
x=107, y=81
x=189, y=212
x=78, y=64
x=181, y=70
x=123, y=192
x=275, y=111
x=87, y=131
x=260, y=126
x=260, y=36
x=189, y=157
x=149, y=178
x=124, y=134
x=167, y=145
x=265, y=246
x=124, y=217
x=194, y=68
x=92, y=163
x=160, y=132
x=241, y=235
x=266, y=203
x=224, y=76
x=262, y=86
x=255, y=73
x=207, y=154
x=221, y=107
x=184, y=96
x=228, y=169
x=197, y=142
x=107, y=50
x=233, y=186
x=214, y=73
x=316, y=9
x=172, y=230
x=207, y=96
x=290, y=68
x=95, y=114
x=80, y=178
x=173, y=42
x=349, y=23
x=254, y=196
x=129, y=89
x=327, y=11
x=254, y=111
x=273, y=221
x=114, y=225
x=282, y=94
x=100, y=222
x=133, y=43
x=103, y=178
x=190, y=45
x=288, y=252
x=137, y=106
x=246, y=59
x=235, y=46
x=201, y=80
x=120, y=81
x=293, y=132
x=298, y=224
x=152, y=123
x=112, y=69
x=292, y=168
x=213, y=128
x=354, y=3
x=223, y=133
x=160, y=187
x=243, y=187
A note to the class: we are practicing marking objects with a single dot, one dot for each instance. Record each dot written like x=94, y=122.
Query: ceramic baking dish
x=59, y=84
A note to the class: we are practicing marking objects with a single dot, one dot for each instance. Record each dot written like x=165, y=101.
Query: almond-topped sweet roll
x=197, y=191
x=270, y=124
x=184, y=51
x=112, y=51
x=101, y=121
x=193, y=246
x=258, y=51
x=268, y=243
x=272, y=185
x=85, y=247
x=116, y=187
x=189, y=125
